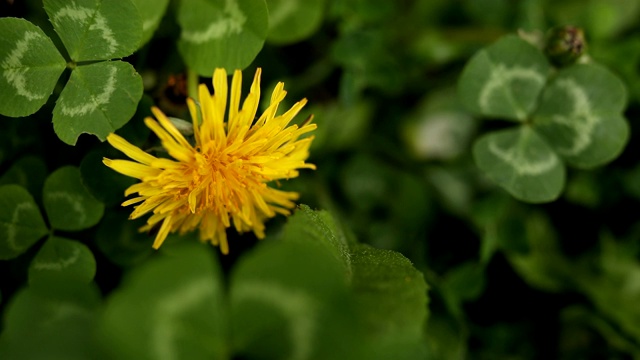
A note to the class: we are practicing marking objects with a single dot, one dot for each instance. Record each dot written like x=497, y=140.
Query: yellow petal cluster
x=222, y=177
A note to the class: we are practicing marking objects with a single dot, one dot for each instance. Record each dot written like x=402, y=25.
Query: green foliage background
x=417, y=241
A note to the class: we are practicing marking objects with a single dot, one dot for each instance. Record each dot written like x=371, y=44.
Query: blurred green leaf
x=487, y=12
x=441, y=135
x=120, y=241
x=151, y=12
x=531, y=15
x=391, y=295
x=30, y=65
x=411, y=204
x=613, y=285
x=366, y=182
x=340, y=127
x=577, y=317
x=368, y=58
x=54, y=323
x=363, y=12
x=290, y=300
x=21, y=223
x=464, y=282
x=171, y=307
x=500, y=220
x=543, y=266
x=622, y=57
x=68, y=204
x=293, y=20
x=96, y=29
x=28, y=172
x=583, y=189
x=98, y=99
x=221, y=34
x=631, y=182
x=580, y=115
x=452, y=186
x=103, y=183
x=504, y=79
x=445, y=339
x=18, y=137
x=440, y=128
x=522, y=163
x=601, y=18
x=62, y=260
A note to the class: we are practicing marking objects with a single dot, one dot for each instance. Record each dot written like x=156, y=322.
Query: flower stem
x=192, y=84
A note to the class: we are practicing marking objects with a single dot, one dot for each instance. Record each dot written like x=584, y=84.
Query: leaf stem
x=192, y=84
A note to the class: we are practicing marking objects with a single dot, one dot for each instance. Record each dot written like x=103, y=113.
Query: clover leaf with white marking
x=62, y=259
x=520, y=161
x=21, y=223
x=95, y=29
x=99, y=97
x=293, y=20
x=69, y=206
x=30, y=66
x=580, y=115
x=572, y=116
x=221, y=33
x=151, y=12
x=504, y=79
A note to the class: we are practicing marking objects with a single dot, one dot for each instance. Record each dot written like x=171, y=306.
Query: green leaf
x=318, y=227
x=221, y=33
x=67, y=202
x=392, y=297
x=60, y=320
x=120, y=241
x=499, y=217
x=96, y=29
x=611, y=284
x=543, y=265
x=293, y=20
x=580, y=115
x=446, y=338
x=290, y=300
x=103, y=183
x=30, y=65
x=465, y=282
x=62, y=260
x=333, y=133
x=367, y=182
x=504, y=79
x=98, y=99
x=151, y=12
x=21, y=223
x=601, y=19
x=522, y=163
x=171, y=307
x=28, y=172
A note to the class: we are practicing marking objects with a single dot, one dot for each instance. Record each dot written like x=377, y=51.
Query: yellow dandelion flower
x=222, y=178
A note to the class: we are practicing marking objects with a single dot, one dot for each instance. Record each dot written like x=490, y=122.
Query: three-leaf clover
x=570, y=116
x=69, y=207
x=101, y=94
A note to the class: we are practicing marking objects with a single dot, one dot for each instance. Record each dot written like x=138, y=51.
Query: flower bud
x=565, y=45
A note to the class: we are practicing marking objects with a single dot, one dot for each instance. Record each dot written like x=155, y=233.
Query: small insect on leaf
x=185, y=127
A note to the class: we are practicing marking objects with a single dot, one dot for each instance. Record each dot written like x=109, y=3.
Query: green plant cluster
x=477, y=172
